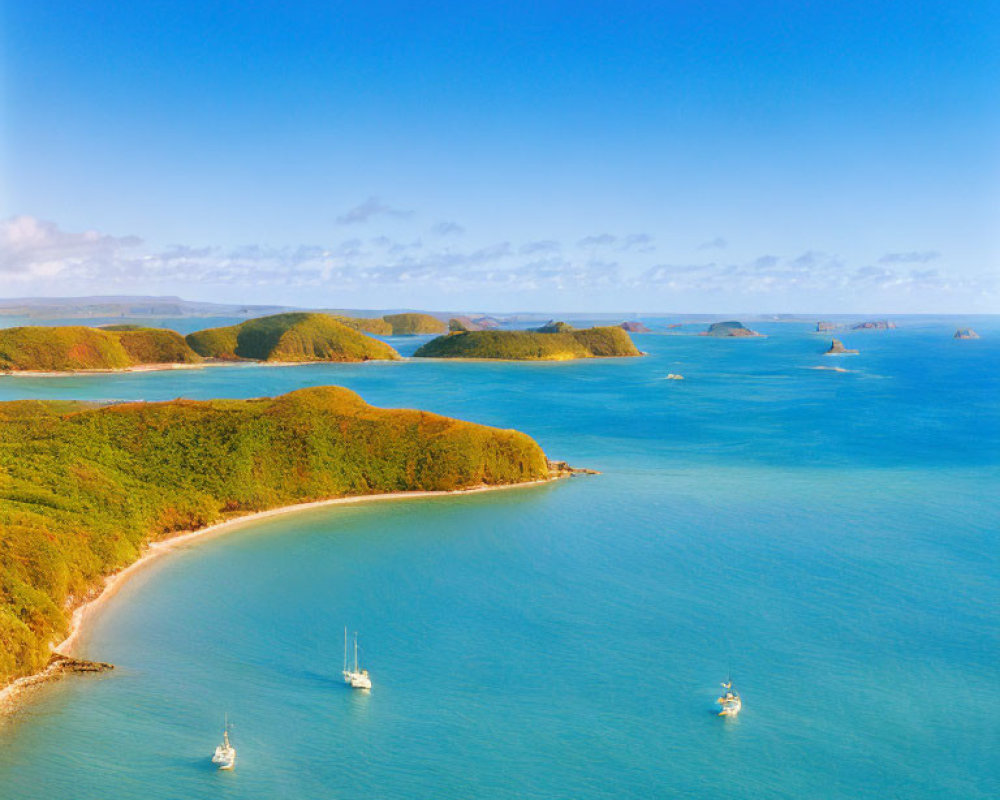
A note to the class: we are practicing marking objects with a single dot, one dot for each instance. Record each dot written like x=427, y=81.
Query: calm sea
x=829, y=538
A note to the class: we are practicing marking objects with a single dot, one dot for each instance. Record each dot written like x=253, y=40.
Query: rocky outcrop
x=730, y=328
x=966, y=333
x=634, y=327
x=875, y=325
x=560, y=469
x=837, y=349
x=823, y=327
x=58, y=665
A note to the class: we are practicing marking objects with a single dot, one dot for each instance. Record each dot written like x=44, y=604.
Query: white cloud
x=447, y=229
x=31, y=247
x=38, y=254
x=369, y=209
x=911, y=257
x=718, y=243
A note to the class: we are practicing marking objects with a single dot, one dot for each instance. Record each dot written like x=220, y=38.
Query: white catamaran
x=225, y=753
x=730, y=700
x=357, y=678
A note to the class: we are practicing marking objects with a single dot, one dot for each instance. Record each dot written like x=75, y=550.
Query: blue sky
x=672, y=156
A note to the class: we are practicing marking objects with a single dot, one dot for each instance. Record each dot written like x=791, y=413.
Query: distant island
x=294, y=337
x=60, y=349
x=414, y=324
x=731, y=328
x=377, y=326
x=459, y=324
x=634, y=327
x=553, y=326
x=124, y=306
x=611, y=342
x=837, y=349
x=966, y=333
x=825, y=327
x=86, y=489
x=876, y=325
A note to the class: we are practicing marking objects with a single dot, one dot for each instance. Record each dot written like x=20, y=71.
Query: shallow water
x=830, y=537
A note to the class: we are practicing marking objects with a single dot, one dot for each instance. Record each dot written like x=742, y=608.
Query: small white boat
x=356, y=678
x=730, y=700
x=225, y=753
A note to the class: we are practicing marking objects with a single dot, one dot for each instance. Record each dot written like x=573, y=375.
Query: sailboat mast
x=355, y=651
x=345, y=648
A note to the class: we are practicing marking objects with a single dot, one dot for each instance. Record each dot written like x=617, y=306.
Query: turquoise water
x=829, y=537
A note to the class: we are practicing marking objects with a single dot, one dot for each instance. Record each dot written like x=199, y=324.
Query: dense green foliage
x=55, y=349
x=156, y=346
x=412, y=324
x=297, y=336
x=83, y=489
x=531, y=345
x=374, y=325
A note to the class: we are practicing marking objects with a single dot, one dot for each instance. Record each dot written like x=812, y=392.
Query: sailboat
x=356, y=678
x=225, y=753
x=730, y=700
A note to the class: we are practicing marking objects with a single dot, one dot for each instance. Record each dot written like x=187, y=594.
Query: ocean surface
x=829, y=538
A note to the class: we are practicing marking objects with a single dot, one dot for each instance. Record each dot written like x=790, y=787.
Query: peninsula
x=610, y=342
x=73, y=347
x=85, y=489
x=295, y=337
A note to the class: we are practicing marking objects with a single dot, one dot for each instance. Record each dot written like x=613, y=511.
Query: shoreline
x=166, y=367
x=14, y=694
x=178, y=365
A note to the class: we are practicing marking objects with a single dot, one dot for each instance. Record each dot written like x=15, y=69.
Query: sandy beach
x=17, y=692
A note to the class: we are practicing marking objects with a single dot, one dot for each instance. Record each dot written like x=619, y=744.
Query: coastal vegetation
x=374, y=325
x=73, y=347
x=84, y=488
x=414, y=324
x=552, y=326
x=531, y=345
x=293, y=337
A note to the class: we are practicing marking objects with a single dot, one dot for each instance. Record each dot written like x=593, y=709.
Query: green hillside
x=374, y=325
x=83, y=489
x=57, y=349
x=413, y=324
x=297, y=336
x=531, y=345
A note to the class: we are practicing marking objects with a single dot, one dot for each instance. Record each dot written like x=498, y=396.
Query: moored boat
x=356, y=678
x=225, y=753
x=730, y=700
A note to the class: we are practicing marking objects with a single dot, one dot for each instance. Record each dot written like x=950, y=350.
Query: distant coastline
x=19, y=691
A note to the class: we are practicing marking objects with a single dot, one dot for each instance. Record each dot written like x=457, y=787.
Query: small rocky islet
x=729, y=329
x=837, y=349
x=965, y=333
